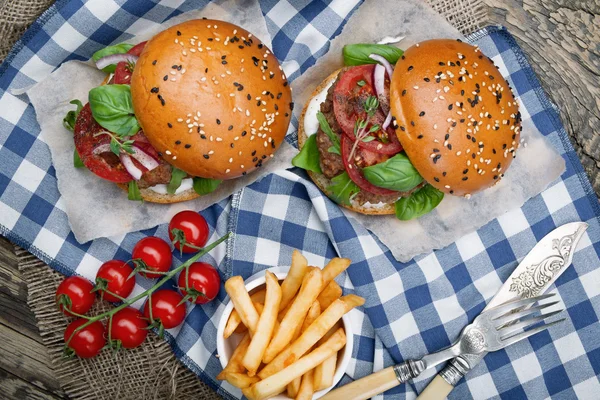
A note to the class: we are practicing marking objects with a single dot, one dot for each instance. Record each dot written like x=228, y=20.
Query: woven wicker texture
x=150, y=371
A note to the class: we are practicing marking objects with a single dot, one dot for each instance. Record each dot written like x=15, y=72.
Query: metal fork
x=492, y=330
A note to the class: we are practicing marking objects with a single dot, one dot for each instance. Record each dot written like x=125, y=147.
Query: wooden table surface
x=562, y=41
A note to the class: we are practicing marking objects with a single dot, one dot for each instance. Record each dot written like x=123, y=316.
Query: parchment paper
x=535, y=167
x=98, y=208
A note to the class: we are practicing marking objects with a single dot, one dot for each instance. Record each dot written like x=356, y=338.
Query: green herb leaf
x=361, y=83
x=334, y=150
x=177, y=176
x=358, y=54
x=419, y=203
x=134, y=192
x=77, y=163
x=121, y=48
x=308, y=158
x=396, y=173
x=71, y=117
x=368, y=139
x=115, y=146
x=112, y=108
x=204, y=186
x=343, y=189
x=371, y=105
x=335, y=140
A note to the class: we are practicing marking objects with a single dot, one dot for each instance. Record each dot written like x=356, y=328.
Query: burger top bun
x=455, y=115
x=211, y=98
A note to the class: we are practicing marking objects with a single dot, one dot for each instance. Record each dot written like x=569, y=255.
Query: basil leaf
x=177, y=176
x=334, y=150
x=343, y=189
x=335, y=140
x=396, y=173
x=112, y=108
x=419, y=203
x=204, y=186
x=133, y=192
x=121, y=48
x=77, y=163
x=308, y=158
x=358, y=54
x=71, y=117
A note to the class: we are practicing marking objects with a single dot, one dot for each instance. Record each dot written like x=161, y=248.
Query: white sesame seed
x=227, y=170
x=231, y=160
x=168, y=152
x=174, y=157
x=219, y=139
x=211, y=152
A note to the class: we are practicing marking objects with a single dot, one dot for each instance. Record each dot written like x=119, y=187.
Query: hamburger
x=393, y=132
x=199, y=103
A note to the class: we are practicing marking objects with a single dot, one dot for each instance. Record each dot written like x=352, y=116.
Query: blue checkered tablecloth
x=412, y=308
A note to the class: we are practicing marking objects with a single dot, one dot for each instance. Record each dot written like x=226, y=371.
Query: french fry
x=306, y=387
x=313, y=313
x=294, y=278
x=335, y=267
x=324, y=372
x=293, y=387
x=310, y=289
x=241, y=301
x=233, y=323
x=235, y=362
x=329, y=294
x=313, y=333
x=258, y=296
x=240, y=380
x=241, y=328
x=275, y=384
x=266, y=323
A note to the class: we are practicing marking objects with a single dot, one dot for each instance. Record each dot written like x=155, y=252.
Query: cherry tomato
x=203, y=279
x=156, y=253
x=128, y=326
x=75, y=293
x=113, y=276
x=87, y=342
x=194, y=228
x=137, y=49
x=165, y=308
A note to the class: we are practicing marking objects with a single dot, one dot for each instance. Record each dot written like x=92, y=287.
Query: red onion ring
x=103, y=148
x=127, y=162
x=387, y=121
x=380, y=86
x=144, y=158
x=379, y=80
x=115, y=59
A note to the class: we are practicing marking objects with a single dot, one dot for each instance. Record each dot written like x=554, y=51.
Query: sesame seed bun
x=455, y=115
x=321, y=180
x=211, y=98
x=151, y=196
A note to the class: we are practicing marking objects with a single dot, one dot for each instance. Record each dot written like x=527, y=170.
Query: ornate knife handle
x=408, y=370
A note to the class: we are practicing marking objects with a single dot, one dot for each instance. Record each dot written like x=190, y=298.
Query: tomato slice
x=122, y=74
x=137, y=49
x=348, y=102
x=356, y=175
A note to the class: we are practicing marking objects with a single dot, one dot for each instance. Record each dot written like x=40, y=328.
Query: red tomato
x=156, y=253
x=122, y=74
x=113, y=276
x=128, y=326
x=165, y=308
x=106, y=165
x=203, y=279
x=87, y=342
x=137, y=49
x=348, y=107
x=192, y=226
x=75, y=293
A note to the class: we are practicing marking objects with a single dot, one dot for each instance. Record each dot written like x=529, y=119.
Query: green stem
x=115, y=295
x=168, y=276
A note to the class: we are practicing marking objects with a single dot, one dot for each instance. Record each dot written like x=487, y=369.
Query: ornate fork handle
x=409, y=370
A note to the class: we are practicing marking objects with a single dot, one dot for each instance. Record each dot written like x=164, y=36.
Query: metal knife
x=538, y=271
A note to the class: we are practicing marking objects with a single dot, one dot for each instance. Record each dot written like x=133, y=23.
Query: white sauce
x=391, y=39
x=311, y=123
x=368, y=205
x=186, y=184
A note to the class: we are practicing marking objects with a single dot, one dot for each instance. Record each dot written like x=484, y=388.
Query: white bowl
x=225, y=347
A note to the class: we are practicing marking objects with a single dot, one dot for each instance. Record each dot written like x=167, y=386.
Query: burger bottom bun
x=151, y=196
x=321, y=180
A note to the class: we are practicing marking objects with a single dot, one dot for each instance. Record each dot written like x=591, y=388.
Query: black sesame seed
x=263, y=157
x=203, y=136
x=504, y=146
x=276, y=107
x=410, y=68
x=154, y=62
x=287, y=114
x=468, y=137
x=474, y=123
x=178, y=33
x=169, y=125
x=260, y=45
x=230, y=127
x=255, y=159
x=403, y=57
x=206, y=156
x=223, y=57
x=403, y=92
x=436, y=158
x=449, y=146
x=450, y=106
x=285, y=84
x=279, y=95
x=442, y=63
x=452, y=64
x=473, y=155
x=240, y=46
x=426, y=79
x=206, y=70
x=447, y=136
x=444, y=173
x=466, y=170
x=218, y=121
x=452, y=192
x=160, y=154
x=162, y=101
x=420, y=137
x=166, y=77
x=244, y=133
x=421, y=113
x=462, y=92
x=210, y=39
x=494, y=151
x=244, y=173
x=255, y=61
x=273, y=144
x=178, y=142
x=187, y=146
x=154, y=90
x=412, y=123
x=173, y=66
x=495, y=176
x=224, y=62
x=249, y=97
x=231, y=145
x=403, y=129
x=473, y=139
x=254, y=153
x=292, y=106
x=436, y=179
x=436, y=150
x=464, y=178
x=454, y=124
x=258, y=102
